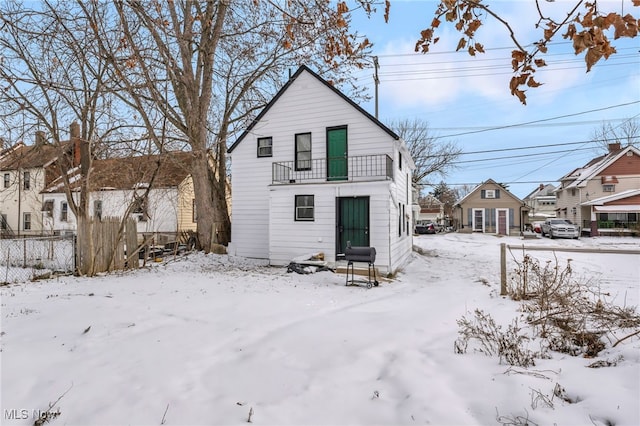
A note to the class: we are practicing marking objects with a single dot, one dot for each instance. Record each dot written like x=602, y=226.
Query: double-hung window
x=26, y=223
x=303, y=151
x=63, y=211
x=26, y=181
x=265, y=147
x=7, y=180
x=304, y=207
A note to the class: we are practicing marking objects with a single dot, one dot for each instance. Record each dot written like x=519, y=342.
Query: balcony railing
x=358, y=168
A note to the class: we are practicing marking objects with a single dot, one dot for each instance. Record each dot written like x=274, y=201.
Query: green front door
x=337, y=166
x=353, y=222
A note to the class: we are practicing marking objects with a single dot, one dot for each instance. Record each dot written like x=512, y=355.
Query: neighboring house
x=118, y=183
x=541, y=202
x=601, y=196
x=314, y=171
x=24, y=171
x=492, y=209
x=431, y=210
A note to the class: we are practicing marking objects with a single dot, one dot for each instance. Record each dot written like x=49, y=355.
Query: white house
x=117, y=183
x=24, y=172
x=314, y=171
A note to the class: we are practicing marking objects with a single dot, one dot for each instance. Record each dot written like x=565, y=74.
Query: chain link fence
x=28, y=259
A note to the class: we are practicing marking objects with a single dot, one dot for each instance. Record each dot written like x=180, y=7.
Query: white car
x=560, y=228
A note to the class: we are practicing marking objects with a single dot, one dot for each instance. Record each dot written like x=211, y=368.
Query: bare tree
x=50, y=80
x=626, y=133
x=175, y=57
x=432, y=156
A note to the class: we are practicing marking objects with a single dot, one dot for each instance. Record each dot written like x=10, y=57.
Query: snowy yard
x=205, y=339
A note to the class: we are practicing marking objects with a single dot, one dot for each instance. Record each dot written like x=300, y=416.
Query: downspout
x=19, y=198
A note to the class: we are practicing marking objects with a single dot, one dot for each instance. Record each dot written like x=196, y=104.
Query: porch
x=353, y=168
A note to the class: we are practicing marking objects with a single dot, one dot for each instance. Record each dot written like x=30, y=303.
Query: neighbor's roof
x=132, y=172
x=490, y=181
x=614, y=197
x=582, y=175
x=293, y=78
x=22, y=156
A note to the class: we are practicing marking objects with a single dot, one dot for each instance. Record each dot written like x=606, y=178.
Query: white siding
x=162, y=209
x=15, y=200
x=263, y=224
x=290, y=238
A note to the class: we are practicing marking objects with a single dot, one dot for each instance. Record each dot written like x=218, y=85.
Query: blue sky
x=462, y=105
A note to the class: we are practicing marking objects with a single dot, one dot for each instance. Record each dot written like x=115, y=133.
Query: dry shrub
x=568, y=314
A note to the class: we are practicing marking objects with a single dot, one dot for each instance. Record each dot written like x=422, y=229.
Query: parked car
x=537, y=227
x=560, y=228
x=427, y=228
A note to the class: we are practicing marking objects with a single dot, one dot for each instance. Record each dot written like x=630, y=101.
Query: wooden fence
x=503, y=257
x=113, y=246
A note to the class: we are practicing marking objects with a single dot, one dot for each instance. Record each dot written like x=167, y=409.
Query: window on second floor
x=26, y=181
x=7, y=180
x=265, y=147
x=303, y=151
x=608, y=188
x=64, y=210
x=26, y=221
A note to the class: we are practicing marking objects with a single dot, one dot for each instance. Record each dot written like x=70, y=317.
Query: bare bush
x=568, y=314
x=508, y=345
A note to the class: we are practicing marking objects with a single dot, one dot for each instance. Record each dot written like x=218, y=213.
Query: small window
x=573, y=192
x=490, y=193
x=303, y=151
x=97, y=209
x=194, y=214
x=64, y=207
x=400, y=160
x=26, y=223
x=608, y=188
x=304, y=207
x=26, y=182
x=7, y=181
x=140, y=209
x=47, y=207
x=265, y=147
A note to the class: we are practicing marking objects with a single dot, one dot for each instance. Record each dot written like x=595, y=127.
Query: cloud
x=445, y=77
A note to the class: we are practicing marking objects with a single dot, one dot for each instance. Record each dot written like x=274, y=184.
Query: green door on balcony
x=337, y=166
x=353, y=222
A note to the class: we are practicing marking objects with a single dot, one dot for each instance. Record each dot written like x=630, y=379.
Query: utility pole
x=376, y=81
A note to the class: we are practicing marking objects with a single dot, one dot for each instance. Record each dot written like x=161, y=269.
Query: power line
x=509, y=126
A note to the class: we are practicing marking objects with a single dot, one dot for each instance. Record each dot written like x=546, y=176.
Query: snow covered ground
x=207, y=339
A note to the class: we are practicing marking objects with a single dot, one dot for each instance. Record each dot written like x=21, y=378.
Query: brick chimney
x=74, y=136
x=40, y=138
x=614, y=147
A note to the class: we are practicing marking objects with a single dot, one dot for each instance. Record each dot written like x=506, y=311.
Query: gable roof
x=542, y=191
x=490, y=181
x=582, y=175
x=293, y=78
x=22, y=156
x=132, y=172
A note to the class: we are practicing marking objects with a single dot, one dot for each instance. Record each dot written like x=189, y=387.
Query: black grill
x=361, y=254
